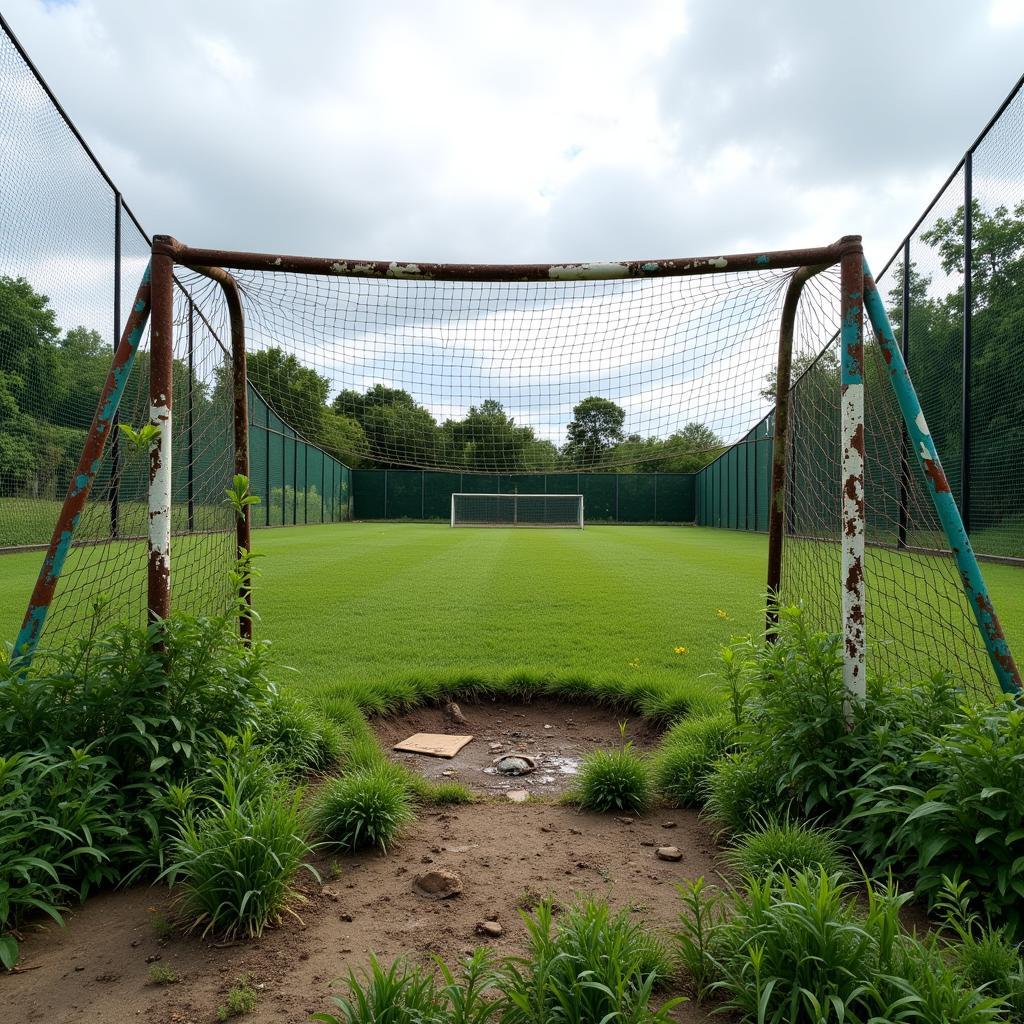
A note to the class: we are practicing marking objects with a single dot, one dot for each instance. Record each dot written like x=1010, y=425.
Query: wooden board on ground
x=436, y=744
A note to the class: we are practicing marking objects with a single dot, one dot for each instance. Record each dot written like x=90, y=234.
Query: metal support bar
x=191, y=497
x=240, y=429
x=828, y=255
x=85, y=474
x=901, y=526
x=938, y=487
x=780, y=439
x=851, y=343
x=161, y=381
x=115, y=442
x=965, y=379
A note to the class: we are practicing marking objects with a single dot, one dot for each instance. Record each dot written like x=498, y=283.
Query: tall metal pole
x=965, y=398
x=851, y=340
x=115, y=441
x=190, y=411
x=161, y=369
x=901, y=526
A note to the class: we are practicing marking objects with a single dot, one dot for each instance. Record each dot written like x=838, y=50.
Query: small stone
x=668, y=824
x=495, y=747
x=426, y=860
x=345, y=917
x=438, y=884
x=626, y=821
x=518, y=796
x=491, y=916
x=669, y=853
x=491, y=929
x=646, y=842
x=549, y=727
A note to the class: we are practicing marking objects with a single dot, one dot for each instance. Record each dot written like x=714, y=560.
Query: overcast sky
x=523, y=131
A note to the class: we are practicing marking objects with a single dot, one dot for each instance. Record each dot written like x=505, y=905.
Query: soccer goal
x=528, y=510
x=587, y=373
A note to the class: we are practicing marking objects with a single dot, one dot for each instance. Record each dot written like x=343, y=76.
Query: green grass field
x=355, y=606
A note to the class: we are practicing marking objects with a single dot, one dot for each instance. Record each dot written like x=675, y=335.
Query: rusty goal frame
x=859, y=296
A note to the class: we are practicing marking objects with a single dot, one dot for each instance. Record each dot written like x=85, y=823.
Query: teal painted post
x=81, y=483
x=938, y=487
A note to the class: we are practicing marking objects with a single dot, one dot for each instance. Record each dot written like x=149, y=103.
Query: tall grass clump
x=788, y=846
x=366, y=808
x=236, y=860
x=296, y=738
x=614, y=780
x=804, y=948
x=591, y=966
x=411, y=994
x=742, y=789
x=687, y=754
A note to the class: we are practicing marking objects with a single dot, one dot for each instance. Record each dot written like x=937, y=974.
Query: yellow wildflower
x=723, y=614
x=682, y=650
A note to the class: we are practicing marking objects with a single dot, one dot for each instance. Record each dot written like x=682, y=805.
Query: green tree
x=596, y=427
x=296, y=393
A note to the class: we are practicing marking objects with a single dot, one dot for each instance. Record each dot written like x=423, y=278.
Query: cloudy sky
x=511, y=131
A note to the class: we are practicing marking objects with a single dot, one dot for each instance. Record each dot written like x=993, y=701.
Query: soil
x=556, y=735
x=507, y=855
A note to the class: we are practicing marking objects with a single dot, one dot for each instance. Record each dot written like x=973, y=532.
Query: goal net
x=599, y=374
x=554, y=510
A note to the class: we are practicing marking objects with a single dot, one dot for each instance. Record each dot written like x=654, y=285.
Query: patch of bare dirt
x=555, y=735
x=506, y=856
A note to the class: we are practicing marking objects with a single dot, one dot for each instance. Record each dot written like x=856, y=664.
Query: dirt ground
x=556, y=735
x=506, y=854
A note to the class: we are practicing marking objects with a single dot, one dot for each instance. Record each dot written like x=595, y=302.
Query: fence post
x=965, y=398
x=901, y=527
x=189, y=413
x=115, y=442
x=852, y=474
x=161, y=363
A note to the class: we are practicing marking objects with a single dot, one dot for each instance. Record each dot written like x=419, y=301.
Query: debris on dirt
x=433, y=744
x=518, y=796
x=454, y=712
x=515, y=764
x=668, y=824
x=670, y=853
x=491, y=929
x=439, y=884
x=625, y=821
x=495, y=747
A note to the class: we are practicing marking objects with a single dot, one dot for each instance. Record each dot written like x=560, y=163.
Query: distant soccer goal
x=537, y=510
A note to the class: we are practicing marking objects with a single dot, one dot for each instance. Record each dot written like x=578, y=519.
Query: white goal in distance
x=536, y=510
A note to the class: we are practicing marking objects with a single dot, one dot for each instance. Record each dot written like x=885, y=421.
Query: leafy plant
x=687, y=753
x=238, y=496
x=742, y=789
x=971, y=819
x=237, y=860
x=593, y=966
x=799, y=949
x=411, y=995
x=140, y=439
x=614, y=780
x=788, y=846
x=295, y=738
x=161, y=975
x=241, y=999
x=366, y=808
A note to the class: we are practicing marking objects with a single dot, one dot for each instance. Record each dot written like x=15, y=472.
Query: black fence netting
x=71, y=259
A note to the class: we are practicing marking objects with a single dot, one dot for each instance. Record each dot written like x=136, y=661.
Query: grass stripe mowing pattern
x=358, y=607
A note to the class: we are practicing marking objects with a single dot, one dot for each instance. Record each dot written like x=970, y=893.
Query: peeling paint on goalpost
x=939, y=490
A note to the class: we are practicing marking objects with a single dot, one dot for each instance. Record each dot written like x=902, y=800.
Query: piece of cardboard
x=436, y=744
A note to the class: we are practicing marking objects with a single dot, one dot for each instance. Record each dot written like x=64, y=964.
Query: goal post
x=518, y=510
x=503, y=372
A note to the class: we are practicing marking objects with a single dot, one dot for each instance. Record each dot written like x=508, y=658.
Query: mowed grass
x=359, y=607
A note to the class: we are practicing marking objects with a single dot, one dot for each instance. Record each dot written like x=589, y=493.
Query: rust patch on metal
x=935, y=474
